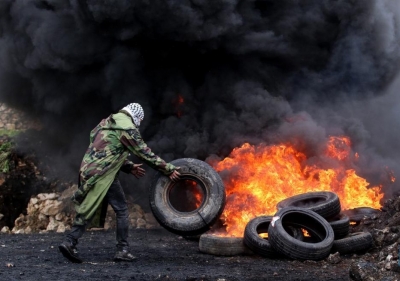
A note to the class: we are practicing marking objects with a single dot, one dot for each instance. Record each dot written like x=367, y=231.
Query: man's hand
x=137, y=171
x=175, y=174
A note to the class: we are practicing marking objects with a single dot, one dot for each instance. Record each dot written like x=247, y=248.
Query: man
x=111, y=141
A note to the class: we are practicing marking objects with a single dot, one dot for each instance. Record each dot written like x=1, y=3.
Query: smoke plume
x=210, y=75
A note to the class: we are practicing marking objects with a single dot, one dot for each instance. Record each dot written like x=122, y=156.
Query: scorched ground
x=160, y=256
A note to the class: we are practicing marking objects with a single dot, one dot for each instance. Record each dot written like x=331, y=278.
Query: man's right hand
x=138, y=171
x=174, y=176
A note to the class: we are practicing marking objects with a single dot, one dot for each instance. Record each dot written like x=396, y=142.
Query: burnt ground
x=161, y=256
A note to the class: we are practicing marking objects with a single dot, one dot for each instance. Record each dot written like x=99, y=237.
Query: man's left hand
x=174, y=176
x=138, y=171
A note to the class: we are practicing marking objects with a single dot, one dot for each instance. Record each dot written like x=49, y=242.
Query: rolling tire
x=222, y=246
x=319, y=229
x=354, y=242
x=324, y=203
x=193, y=222
x=340, y=225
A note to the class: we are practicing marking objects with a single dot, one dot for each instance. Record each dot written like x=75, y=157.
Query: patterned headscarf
x=136, y=111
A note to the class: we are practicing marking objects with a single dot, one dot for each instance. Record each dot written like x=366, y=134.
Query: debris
x=334, y=258
x=362, y=271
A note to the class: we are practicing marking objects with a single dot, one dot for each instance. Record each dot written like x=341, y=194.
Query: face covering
x=136, y=111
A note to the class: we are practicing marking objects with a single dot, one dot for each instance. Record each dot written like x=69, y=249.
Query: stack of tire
x=307, y=226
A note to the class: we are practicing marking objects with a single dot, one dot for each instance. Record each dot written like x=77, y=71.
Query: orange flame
x=256, y=178
x=305, y=232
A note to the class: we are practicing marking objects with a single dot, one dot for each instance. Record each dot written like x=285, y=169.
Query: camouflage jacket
x=111, y=141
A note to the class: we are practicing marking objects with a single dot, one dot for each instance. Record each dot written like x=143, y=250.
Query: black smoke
x=244, y=69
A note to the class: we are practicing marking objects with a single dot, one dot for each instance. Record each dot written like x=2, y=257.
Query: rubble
x=363, y=270
x=334, y=258
x=55, y=212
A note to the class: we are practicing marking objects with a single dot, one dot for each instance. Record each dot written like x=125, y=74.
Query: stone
x=61, y=228
x=362, y=271
x=28, y=230
x=20, y=220
x=5, y=229
x=47, y=196
x=42, y=217
x=59, y=216
x=390, y=265
x=140, y=223
x=53, y=224
x=334, y=258
x=52, y=207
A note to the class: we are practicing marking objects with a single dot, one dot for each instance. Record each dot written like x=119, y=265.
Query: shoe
x=70, y=252
x=124, y=255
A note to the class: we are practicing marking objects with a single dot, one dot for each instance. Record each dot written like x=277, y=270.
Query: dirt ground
x=161, y=256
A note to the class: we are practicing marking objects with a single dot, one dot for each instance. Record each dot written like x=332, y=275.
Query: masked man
x=111, y=141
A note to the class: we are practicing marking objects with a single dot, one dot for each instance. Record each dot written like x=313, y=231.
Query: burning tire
x=222, y=246
x=260, y=245
x=324, y=203
x=361, y=213
x=191, y=205
x=254, y=241
x=320, y=231
x=355, y=242
x=340, y=225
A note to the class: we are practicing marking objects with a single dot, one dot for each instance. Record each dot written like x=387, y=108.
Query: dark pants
x=116, y=198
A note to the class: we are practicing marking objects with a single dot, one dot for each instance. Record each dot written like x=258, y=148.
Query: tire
x=195, y=221
x=319, y=229
x=260, y=245
x=340, y=225
x=324, y=203
x=355, y=242
x=360, y=213
x=222, y=246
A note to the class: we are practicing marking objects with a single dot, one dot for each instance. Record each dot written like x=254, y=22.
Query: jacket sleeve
x=133, y=141
x=127, y=166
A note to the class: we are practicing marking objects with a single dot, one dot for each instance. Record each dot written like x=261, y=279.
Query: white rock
x=140, y=223
x=5, y=229
x=61, y=228
x=47, y=196
x=42, y=217
x=28, y=229
x=52, y=208
x=59, y=216
x=53, y=224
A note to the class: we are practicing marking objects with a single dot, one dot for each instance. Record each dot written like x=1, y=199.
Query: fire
x=305, y=232
x=258, y=177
